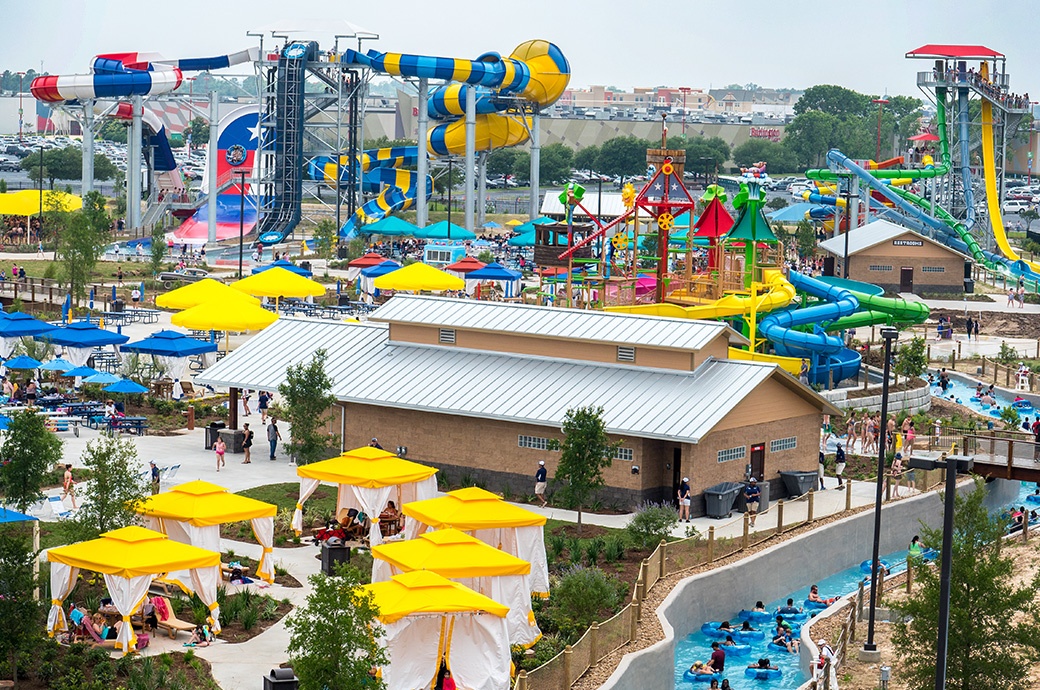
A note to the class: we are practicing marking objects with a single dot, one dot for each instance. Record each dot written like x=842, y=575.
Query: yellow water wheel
x=620, y=241
x=665, y=222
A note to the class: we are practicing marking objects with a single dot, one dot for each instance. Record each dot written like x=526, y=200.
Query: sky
x=608, y=42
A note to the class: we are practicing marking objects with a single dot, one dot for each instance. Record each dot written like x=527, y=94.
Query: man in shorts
x=752, y=495
x=541, y=478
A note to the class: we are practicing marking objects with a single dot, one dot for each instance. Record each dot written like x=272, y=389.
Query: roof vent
x=446, y=336
x=626, y=353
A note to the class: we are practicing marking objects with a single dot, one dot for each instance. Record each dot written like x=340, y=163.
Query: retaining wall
x=911, y=401
x=774, y=572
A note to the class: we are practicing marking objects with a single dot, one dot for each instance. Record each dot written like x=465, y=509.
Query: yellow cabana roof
x=220, y=316
x=204, y=504
x=425, y=592
x=27, y=202
x=133, y=552
x=279, y=282
x=200, y=292
x=470, y=509
x=418, y=277
x=450, y=553
x=514, y=221
x=368, y=467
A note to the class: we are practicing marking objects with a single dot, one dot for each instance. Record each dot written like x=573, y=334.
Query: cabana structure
x=284, y=265
x=429, y=619
x=130, y=558
x=419, y=277
x=491, y=520
x=470, y=562
x=192, y=513
x=367, y=477
x=170, y=349
x=80, y=338
x=18, y=325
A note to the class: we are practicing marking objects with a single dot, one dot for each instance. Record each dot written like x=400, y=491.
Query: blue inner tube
x=816, y=605
x=975, y=398
x=756, y=616
x=994, y=413
x=736, y=649
x=1033, y=498
x=749, y=635
x=700, y=677
x=712, y=630
x=800, y=617
x=865, y=566
x=763, y=673
x=1022, y=405
x=778, y=647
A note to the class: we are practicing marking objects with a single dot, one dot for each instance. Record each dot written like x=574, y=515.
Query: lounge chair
x=58, y=507
x=97, y=641
x=173, y=624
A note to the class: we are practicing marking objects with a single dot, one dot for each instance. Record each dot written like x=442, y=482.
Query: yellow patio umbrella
x=205, y=290
x=224, y=316
x=27, y=202
x=279, y=282
x=514, y=222
x=418, y=277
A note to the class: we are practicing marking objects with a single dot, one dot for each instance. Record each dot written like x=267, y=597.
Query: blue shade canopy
x=169, y=344
x=391, y=226
x=544, y=220
x=794, y=212
x=83, y=334
x=439, y=231
x=22, y=362
x=6, y=514
x=57, y=364
x=282, y=263
x=380, y=269
x=102, y=377
x=126, y=386
x=493, y=271
x=17, y=324
x=82, y=372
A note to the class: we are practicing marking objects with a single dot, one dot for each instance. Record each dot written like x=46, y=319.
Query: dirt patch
x=1009, y=324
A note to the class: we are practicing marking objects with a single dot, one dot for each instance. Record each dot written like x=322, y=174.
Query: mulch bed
x=234, y=632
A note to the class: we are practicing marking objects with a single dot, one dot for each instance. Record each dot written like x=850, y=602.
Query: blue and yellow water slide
x=536, y=73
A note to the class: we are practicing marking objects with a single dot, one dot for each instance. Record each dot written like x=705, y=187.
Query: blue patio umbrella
x=544, y=220
x=282, y=263
x=169, y=343
x=4, y=421
x=82, y=334
x=440, y=231
x=57, y=364
x=380, y=269
x=23, y=362
x=80, y=372
x=126, y=386
x=391, y=226
x=17, y=324
x=491, y=225
x=102, y=377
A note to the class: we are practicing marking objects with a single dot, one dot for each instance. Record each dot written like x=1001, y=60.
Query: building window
x=532, y=442
x=875, y=267
x=626, y=353
x=441, y=256
x=626, y=454
x=781, y=444
x=446, y=336
x=933, y=269
x=738, y=453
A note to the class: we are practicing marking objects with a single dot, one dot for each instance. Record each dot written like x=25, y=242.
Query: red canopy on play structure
x=715, y=221
x=927, y=136
x=370, y=259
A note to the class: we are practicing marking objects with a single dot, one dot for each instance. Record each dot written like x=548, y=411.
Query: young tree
x=911, y=359
x=80, y=244
x=805, y=238
x=332, y=642
x=157, y=252
x=115, y=488
x=324, y=236
x=307, y=398
x=585, y=451
x=20, y=613
x=623, y=156
x=1029, y=215
x=28, y=452
x=199, y=129
x=988, y=610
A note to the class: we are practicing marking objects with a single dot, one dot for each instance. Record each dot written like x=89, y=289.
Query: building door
x=906, y=279
x=677, y=475
x=758, y=461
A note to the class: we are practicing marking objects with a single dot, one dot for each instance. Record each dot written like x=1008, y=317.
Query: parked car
x=1015, y=205
x=9, y=166
x=184, y=275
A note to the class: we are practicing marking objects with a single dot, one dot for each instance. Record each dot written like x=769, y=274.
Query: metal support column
x=536, y=151
x=471, y=158
x=211, y=170
x=423, y=164
x=88, y=147
x=481, y=188
x=133, y=166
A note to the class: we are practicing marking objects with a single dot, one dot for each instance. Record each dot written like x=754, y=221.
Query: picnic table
x=144, y=315
x=117, y=318
x=132, y=424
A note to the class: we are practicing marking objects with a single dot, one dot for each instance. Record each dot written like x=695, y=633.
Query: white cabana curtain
x=307, y=487
x=204, y=581
x=78, y=355
x=373, y=502
x=412, y=646
x=381, y=570
x=480, y=657
x=127, y=594
x=515, y=592
x=7, y=346
x=174, y=366
x=186, y=533
x=263, y=530
x=415, y=491
x=63, y=578
x=525, y=543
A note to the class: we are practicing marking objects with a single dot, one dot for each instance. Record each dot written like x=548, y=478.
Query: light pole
x=881, y=102
x=952, y=465
x=20, y=111
x=241, y=214
x=889, y=335
x=451, y=161
x=684, y=90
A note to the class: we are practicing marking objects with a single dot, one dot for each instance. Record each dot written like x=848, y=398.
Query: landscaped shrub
x=652, y=523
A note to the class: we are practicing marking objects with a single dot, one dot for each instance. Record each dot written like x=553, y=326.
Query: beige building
x=479, y=389
x=899, y=260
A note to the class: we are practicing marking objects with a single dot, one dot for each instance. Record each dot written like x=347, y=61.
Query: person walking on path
x=245, y=403
x=976, y=328
x=839, y=464
x=247, y=443
x=541, y=481
x=803, y=374
x=69, y=486
x=752, y=495
x=155, y=477
x=969, y=326
x=273, y=436
x=684, y=499
x=820, y=468
x=220, y=448
x=263, y=400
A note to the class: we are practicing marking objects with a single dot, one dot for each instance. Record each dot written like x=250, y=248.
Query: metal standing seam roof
x=367, y=368
x=873, y=234
x=553, y=322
